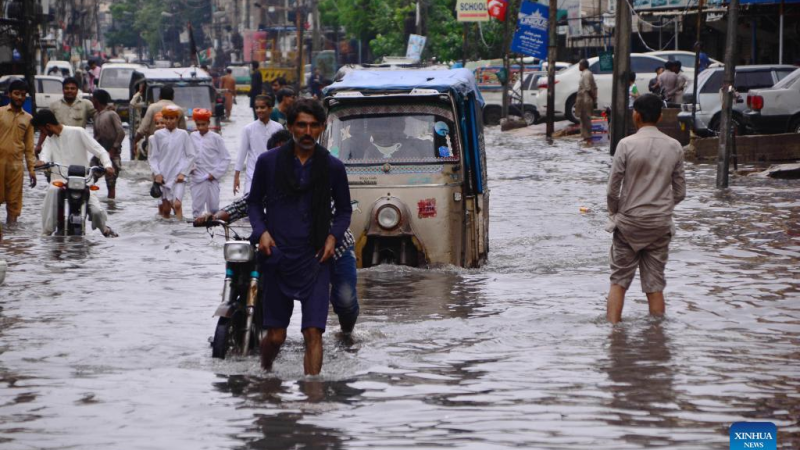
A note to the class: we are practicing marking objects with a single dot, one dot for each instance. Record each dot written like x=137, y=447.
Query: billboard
x=531, y=35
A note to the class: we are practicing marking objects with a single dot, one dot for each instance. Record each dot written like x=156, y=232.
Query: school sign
x=472, y=11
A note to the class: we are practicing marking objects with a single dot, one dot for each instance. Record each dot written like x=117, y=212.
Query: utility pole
x=697, y=46
x=726, y=136
x=552, y=55
x=508, y=31
x=622, y=70
x=30, y=39
x=300, y=66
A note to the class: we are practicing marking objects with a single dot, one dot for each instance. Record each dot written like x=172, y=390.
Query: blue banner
x=531, y=35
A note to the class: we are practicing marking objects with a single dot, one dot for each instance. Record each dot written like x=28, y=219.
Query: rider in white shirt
x=67, y=146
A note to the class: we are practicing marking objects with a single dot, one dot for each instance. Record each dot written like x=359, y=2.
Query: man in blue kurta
x=289, y=209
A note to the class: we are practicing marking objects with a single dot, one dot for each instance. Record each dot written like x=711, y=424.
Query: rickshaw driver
x=289, y=209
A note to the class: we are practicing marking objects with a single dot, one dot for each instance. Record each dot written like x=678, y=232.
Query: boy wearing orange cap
x=171, y=157
x=210, y=165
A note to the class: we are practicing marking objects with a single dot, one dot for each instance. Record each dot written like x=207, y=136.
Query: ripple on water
x=103, y=343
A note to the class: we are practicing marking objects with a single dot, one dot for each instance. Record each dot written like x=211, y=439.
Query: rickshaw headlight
x=238, y=251
x=388, y=217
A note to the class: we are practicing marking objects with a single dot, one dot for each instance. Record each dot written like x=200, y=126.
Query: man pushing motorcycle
x=344, y=295
x=67, y=146
x=289, y=207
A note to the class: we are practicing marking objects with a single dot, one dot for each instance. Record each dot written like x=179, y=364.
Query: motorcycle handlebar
x=210, y=223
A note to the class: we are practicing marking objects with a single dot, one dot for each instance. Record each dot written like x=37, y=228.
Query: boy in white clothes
x=210, y=165
x=171, y=157
x=254, y=140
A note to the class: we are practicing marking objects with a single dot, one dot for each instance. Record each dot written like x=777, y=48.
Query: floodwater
x=103, y=343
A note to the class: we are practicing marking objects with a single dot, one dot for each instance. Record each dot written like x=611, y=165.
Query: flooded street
x=104, y=342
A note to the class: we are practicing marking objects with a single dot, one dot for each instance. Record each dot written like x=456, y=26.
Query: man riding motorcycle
x=67, y=146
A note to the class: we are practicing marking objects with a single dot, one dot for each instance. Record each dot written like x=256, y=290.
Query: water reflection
x=285, y=424
x=400, y=294
x=641, y=368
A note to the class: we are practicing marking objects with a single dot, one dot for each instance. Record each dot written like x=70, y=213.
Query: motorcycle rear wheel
x=222, y=335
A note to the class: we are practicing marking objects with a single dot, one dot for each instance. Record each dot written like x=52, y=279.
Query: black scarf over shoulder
x=319, y=185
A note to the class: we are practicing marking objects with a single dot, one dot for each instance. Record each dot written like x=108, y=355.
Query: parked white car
x=49, y=89
x=775, y=110
x=685, y=58
x=567, y=84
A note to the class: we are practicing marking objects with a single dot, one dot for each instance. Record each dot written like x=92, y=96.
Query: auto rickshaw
x=412, y=143
x=193, y=89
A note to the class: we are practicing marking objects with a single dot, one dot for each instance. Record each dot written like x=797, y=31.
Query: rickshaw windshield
x=392, y=133
x=189, y=97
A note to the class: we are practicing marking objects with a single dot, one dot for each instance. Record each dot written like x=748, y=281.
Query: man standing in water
x=109, y=133
x=586, y=99
x=648, y=168
x=289, y=207
x=16, y=146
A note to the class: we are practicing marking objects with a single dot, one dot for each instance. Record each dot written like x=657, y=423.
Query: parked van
x=116, y=79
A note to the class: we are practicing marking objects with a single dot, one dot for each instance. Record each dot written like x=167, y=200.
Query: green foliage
x=382, y=25
x=135, y=18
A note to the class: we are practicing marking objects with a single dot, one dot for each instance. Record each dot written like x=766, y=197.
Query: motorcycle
x=73, y=196
x=239, y=327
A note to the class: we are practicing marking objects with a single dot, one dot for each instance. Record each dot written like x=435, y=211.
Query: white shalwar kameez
x=253, y=142
x=212, y=159
x=172, y=154
x=71, y=147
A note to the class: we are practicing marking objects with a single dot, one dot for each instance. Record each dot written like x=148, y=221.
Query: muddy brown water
x=103, y=343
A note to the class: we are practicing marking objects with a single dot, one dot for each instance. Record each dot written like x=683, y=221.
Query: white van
x=115, y=78
x=57, y=68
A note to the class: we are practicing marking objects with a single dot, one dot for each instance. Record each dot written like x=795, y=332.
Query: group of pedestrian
x=669, y=83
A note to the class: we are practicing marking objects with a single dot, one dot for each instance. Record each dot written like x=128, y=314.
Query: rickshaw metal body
x=416, y=147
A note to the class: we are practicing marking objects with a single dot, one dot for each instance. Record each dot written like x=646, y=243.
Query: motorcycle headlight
x=238, y=251
x=77, y=183
x=388, y=217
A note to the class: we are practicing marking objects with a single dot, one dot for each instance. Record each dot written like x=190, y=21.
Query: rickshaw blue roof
x=461, y=81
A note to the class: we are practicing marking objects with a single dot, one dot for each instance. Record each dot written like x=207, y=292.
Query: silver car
x=709, y=102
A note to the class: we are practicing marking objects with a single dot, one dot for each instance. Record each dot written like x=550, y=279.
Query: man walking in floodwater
x=289, y=207
x=645, y=184
x=585, y=101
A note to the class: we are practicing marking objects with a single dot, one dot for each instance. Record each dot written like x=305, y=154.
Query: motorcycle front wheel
x=222, y=338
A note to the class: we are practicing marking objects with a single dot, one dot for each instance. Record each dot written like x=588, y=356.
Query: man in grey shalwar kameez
x=645, y=184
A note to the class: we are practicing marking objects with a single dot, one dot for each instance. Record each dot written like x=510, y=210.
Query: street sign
x=606, y=61
x=497, y=9
x=472, y=11
x=531, y=35
x=574, y=18
x=415, y=45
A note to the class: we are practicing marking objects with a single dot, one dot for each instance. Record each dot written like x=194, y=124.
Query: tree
x=384, y=26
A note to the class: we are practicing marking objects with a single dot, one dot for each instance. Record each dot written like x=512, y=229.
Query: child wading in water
x=210, y=165
x=171, y=157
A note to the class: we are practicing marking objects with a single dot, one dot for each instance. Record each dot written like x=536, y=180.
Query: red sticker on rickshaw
x=427, y=208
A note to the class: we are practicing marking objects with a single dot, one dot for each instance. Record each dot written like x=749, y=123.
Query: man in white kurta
x=210, y=165
x=68, y=146
x=254, y=141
